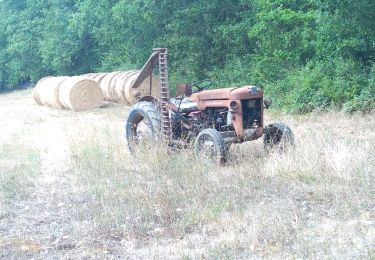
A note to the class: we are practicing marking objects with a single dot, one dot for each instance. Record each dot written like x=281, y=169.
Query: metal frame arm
x=147, y=68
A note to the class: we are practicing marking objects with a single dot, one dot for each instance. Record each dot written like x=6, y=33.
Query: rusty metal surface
x=252, y=133
x=246, y=93
x=147, y=69
x=219, y=98
x=166, y=123
x=160, y=57
x=236, y=112
x=215, y=94
x=149, y=99
x=228, y=93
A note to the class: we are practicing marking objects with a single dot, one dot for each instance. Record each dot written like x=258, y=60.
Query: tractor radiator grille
x=252, y=112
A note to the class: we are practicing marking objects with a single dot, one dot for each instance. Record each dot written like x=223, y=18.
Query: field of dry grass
x=70, y=189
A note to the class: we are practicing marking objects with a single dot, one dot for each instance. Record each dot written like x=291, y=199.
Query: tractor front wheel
x=142, y=125
x=209, y=144
x=277, y=136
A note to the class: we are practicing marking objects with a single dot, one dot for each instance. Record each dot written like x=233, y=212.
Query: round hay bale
x=144, y=87
x=128, y=90
x=80, y=93
x=99, y=76
x=35, y=96
x=48, y=91
x=92, y=75
x=35, y=93
x=89, y=75
x=132, y=95
x=120, y=85
x=104, y=84
x=112, y=86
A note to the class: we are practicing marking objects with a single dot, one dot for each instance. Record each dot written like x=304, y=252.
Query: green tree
x=307, y=54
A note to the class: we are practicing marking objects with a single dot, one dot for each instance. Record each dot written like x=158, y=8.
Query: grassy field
x=70, y=189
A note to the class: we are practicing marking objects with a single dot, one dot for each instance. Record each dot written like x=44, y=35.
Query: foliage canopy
x=306, y=54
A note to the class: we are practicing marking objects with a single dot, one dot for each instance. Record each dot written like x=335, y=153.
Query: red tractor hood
x=228, y=93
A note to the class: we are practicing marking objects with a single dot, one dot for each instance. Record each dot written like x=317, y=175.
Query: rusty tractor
x=209, y=121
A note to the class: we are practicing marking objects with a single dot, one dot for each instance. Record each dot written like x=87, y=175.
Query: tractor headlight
x=267, y=102
x=233, y=106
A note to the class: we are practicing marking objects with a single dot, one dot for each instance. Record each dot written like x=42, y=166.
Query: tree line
x=305, y=54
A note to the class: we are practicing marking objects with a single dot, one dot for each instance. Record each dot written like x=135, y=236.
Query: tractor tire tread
x=287, y=135
x=218, y=142
x=148, y=110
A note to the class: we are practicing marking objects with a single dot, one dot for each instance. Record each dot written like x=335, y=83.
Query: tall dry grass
x=19, y=165
x=315, y=200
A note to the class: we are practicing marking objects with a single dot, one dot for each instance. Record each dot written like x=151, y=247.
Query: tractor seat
x=186, y=106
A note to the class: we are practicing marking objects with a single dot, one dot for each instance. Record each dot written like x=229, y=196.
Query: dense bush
x=327, y=84
x=307, y=55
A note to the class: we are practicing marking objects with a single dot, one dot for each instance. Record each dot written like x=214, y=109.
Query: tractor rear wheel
x=277, y=136
x=210, y=145
x=142, y=125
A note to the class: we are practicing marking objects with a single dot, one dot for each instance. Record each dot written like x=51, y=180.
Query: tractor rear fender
x=155, y=101
x=149, y=99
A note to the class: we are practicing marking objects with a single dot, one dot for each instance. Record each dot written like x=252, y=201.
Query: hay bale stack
x=105, y=85
x=35, y=93
x=89, y=75
x=112, y=87
x=133, y=94
x=98, y=77
x=46, y=92
x=76, y=93
x=120, y=86
x=80, y=93
x=117, y=86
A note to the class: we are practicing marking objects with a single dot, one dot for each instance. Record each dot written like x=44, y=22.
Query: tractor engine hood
x=247, y=92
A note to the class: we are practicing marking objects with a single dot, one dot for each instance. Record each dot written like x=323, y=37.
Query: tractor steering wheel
x=202, y=85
